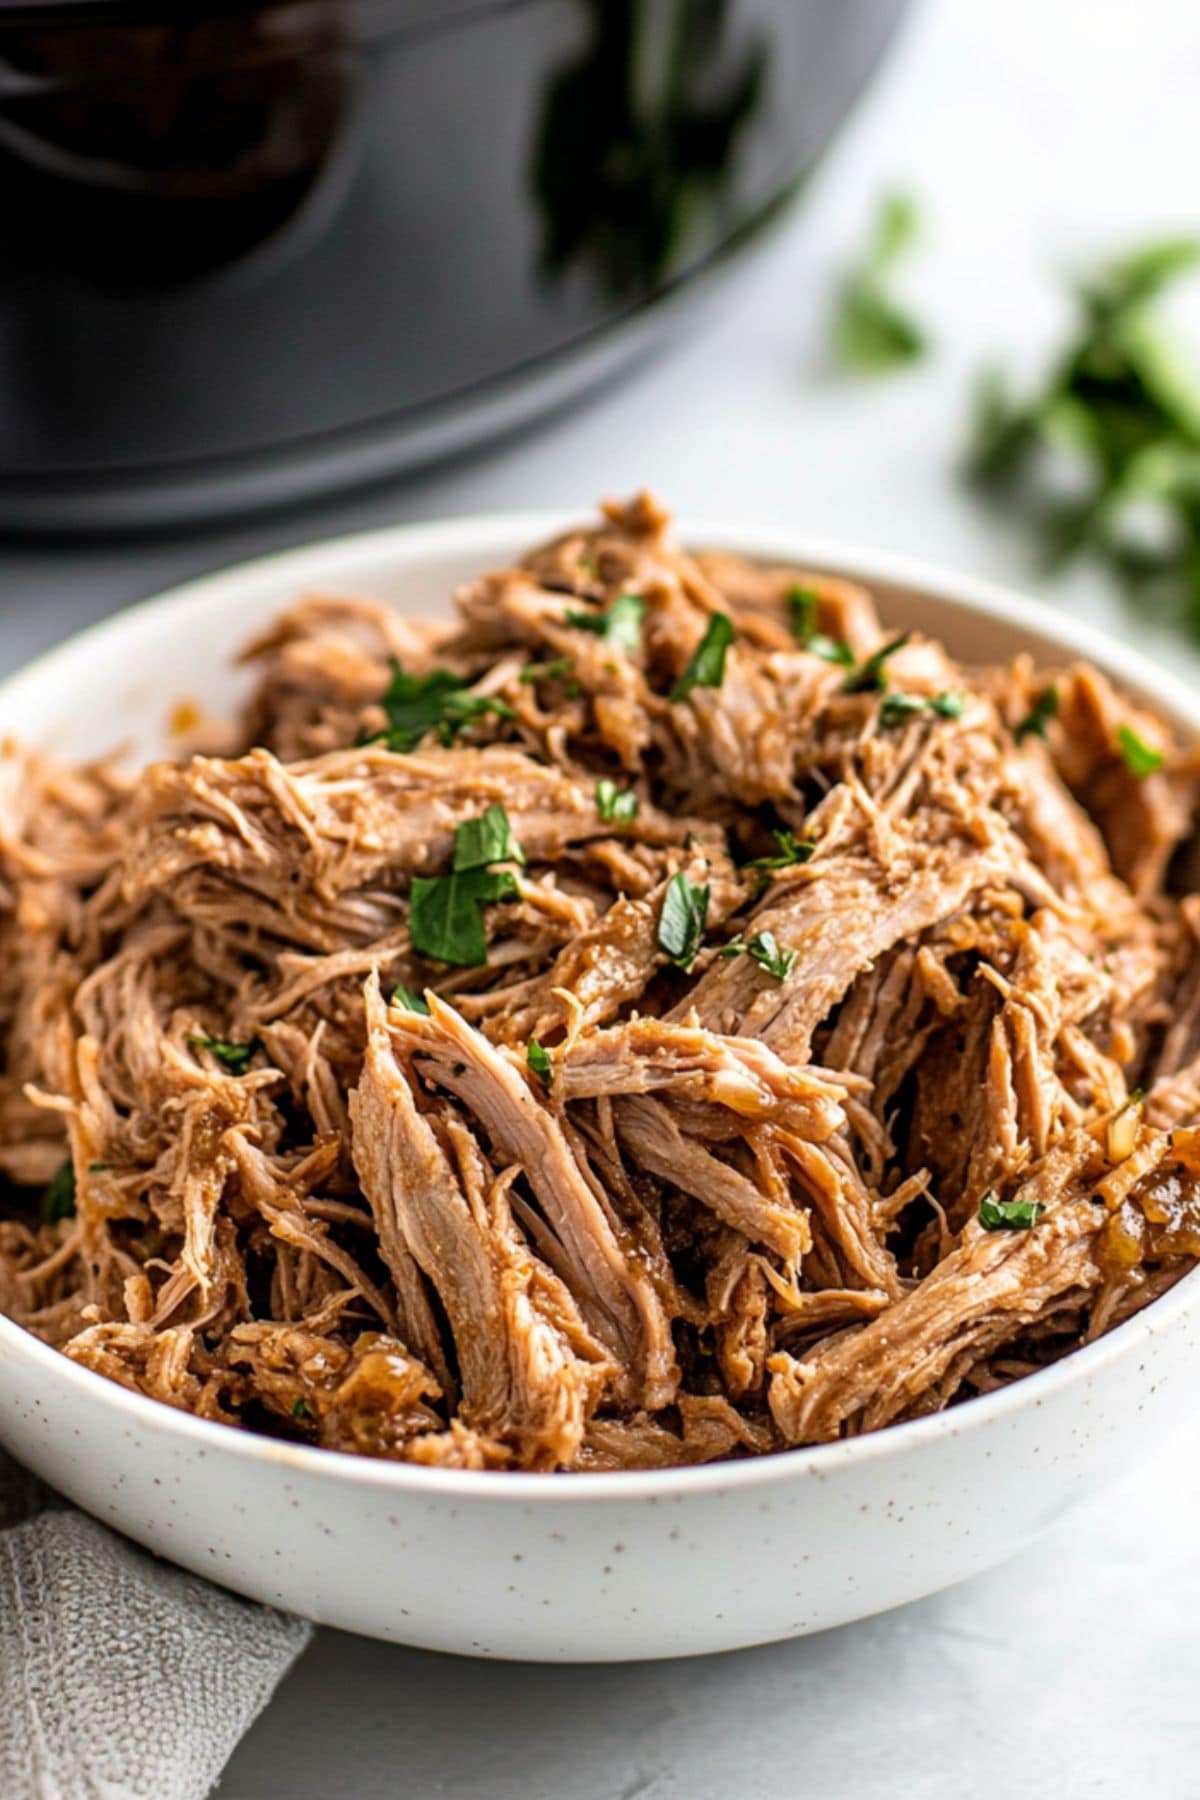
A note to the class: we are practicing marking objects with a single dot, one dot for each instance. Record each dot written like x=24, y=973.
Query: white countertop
x=1035, y=134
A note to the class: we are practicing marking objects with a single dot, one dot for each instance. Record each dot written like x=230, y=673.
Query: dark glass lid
x=364, y=17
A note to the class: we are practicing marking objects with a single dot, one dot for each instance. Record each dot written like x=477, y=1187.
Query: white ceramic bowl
x=580, y=1567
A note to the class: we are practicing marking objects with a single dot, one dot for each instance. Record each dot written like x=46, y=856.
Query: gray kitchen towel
x=121, y=1678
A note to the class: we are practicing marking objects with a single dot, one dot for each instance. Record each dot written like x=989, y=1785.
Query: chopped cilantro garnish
x=538, y=1058
x=682, y=920
x=619, y=624
x=58, y=1199
x=831, y=650
x=1008, y=1215
x=410, y=1001
x=546, y=671
x=895, y=709
x=872, y=333
x=803, y=603
x=301, y=1410
x=1044, y=708
x=415, y=705
x=445, y=918
x=485, y=840
x=792, y=850
x=870, y=676
x=616, y=805
x=767, y=953
x=1139, y=757
x=706, y=667
x=233, y=1057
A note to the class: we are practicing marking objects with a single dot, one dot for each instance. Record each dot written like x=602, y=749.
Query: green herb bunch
x=872, y=333
x=1105, y=457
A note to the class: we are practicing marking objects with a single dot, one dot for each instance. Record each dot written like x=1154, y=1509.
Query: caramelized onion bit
x=1122, y=1133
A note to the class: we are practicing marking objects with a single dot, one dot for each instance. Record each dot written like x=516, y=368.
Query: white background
x=1036, y=133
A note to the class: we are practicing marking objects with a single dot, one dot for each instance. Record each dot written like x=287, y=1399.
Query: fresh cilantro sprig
x=488, y=839
x=791, y=850
x=415, y=705
x=1116, y=423
x=1139, y=757
x=620, y=624
x=682, y=919
x=616, y=805
x=1008, y=1215
x=409, y=1000
x=872, y=333
x=897, y=709
x=234, y=1058
x=706, y=665
x=766, y=951
x=871, y=674
x=802, y=606
x=1044, y=708
x=445, y=919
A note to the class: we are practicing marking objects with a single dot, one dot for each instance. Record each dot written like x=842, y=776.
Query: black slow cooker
x=254, y=251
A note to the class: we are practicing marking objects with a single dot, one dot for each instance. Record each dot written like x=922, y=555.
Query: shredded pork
x=903, y=1106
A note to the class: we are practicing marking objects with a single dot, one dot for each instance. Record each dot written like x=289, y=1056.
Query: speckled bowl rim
x=324, y=564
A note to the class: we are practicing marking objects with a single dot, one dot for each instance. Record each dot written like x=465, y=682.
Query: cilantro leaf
x=896, y=709
x=445, y=913
x=792, y=850
x=614, y=804
x=682, y=920
x=539, y=1060
x=1139, y=757
x=871, y=675
x=1008, y=1215
x=546, y=671
x=415, y=705
x=706, y=666
x=235, y=1058
x=487, y=839
x=410, y=1001
x=872, y=333
x=803, y=604
x=1044, y=708
x=620, y=624
x=767, y=953
x=831, y=650
x=58, y=1199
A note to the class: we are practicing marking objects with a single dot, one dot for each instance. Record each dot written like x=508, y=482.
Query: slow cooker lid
x=362, y=17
